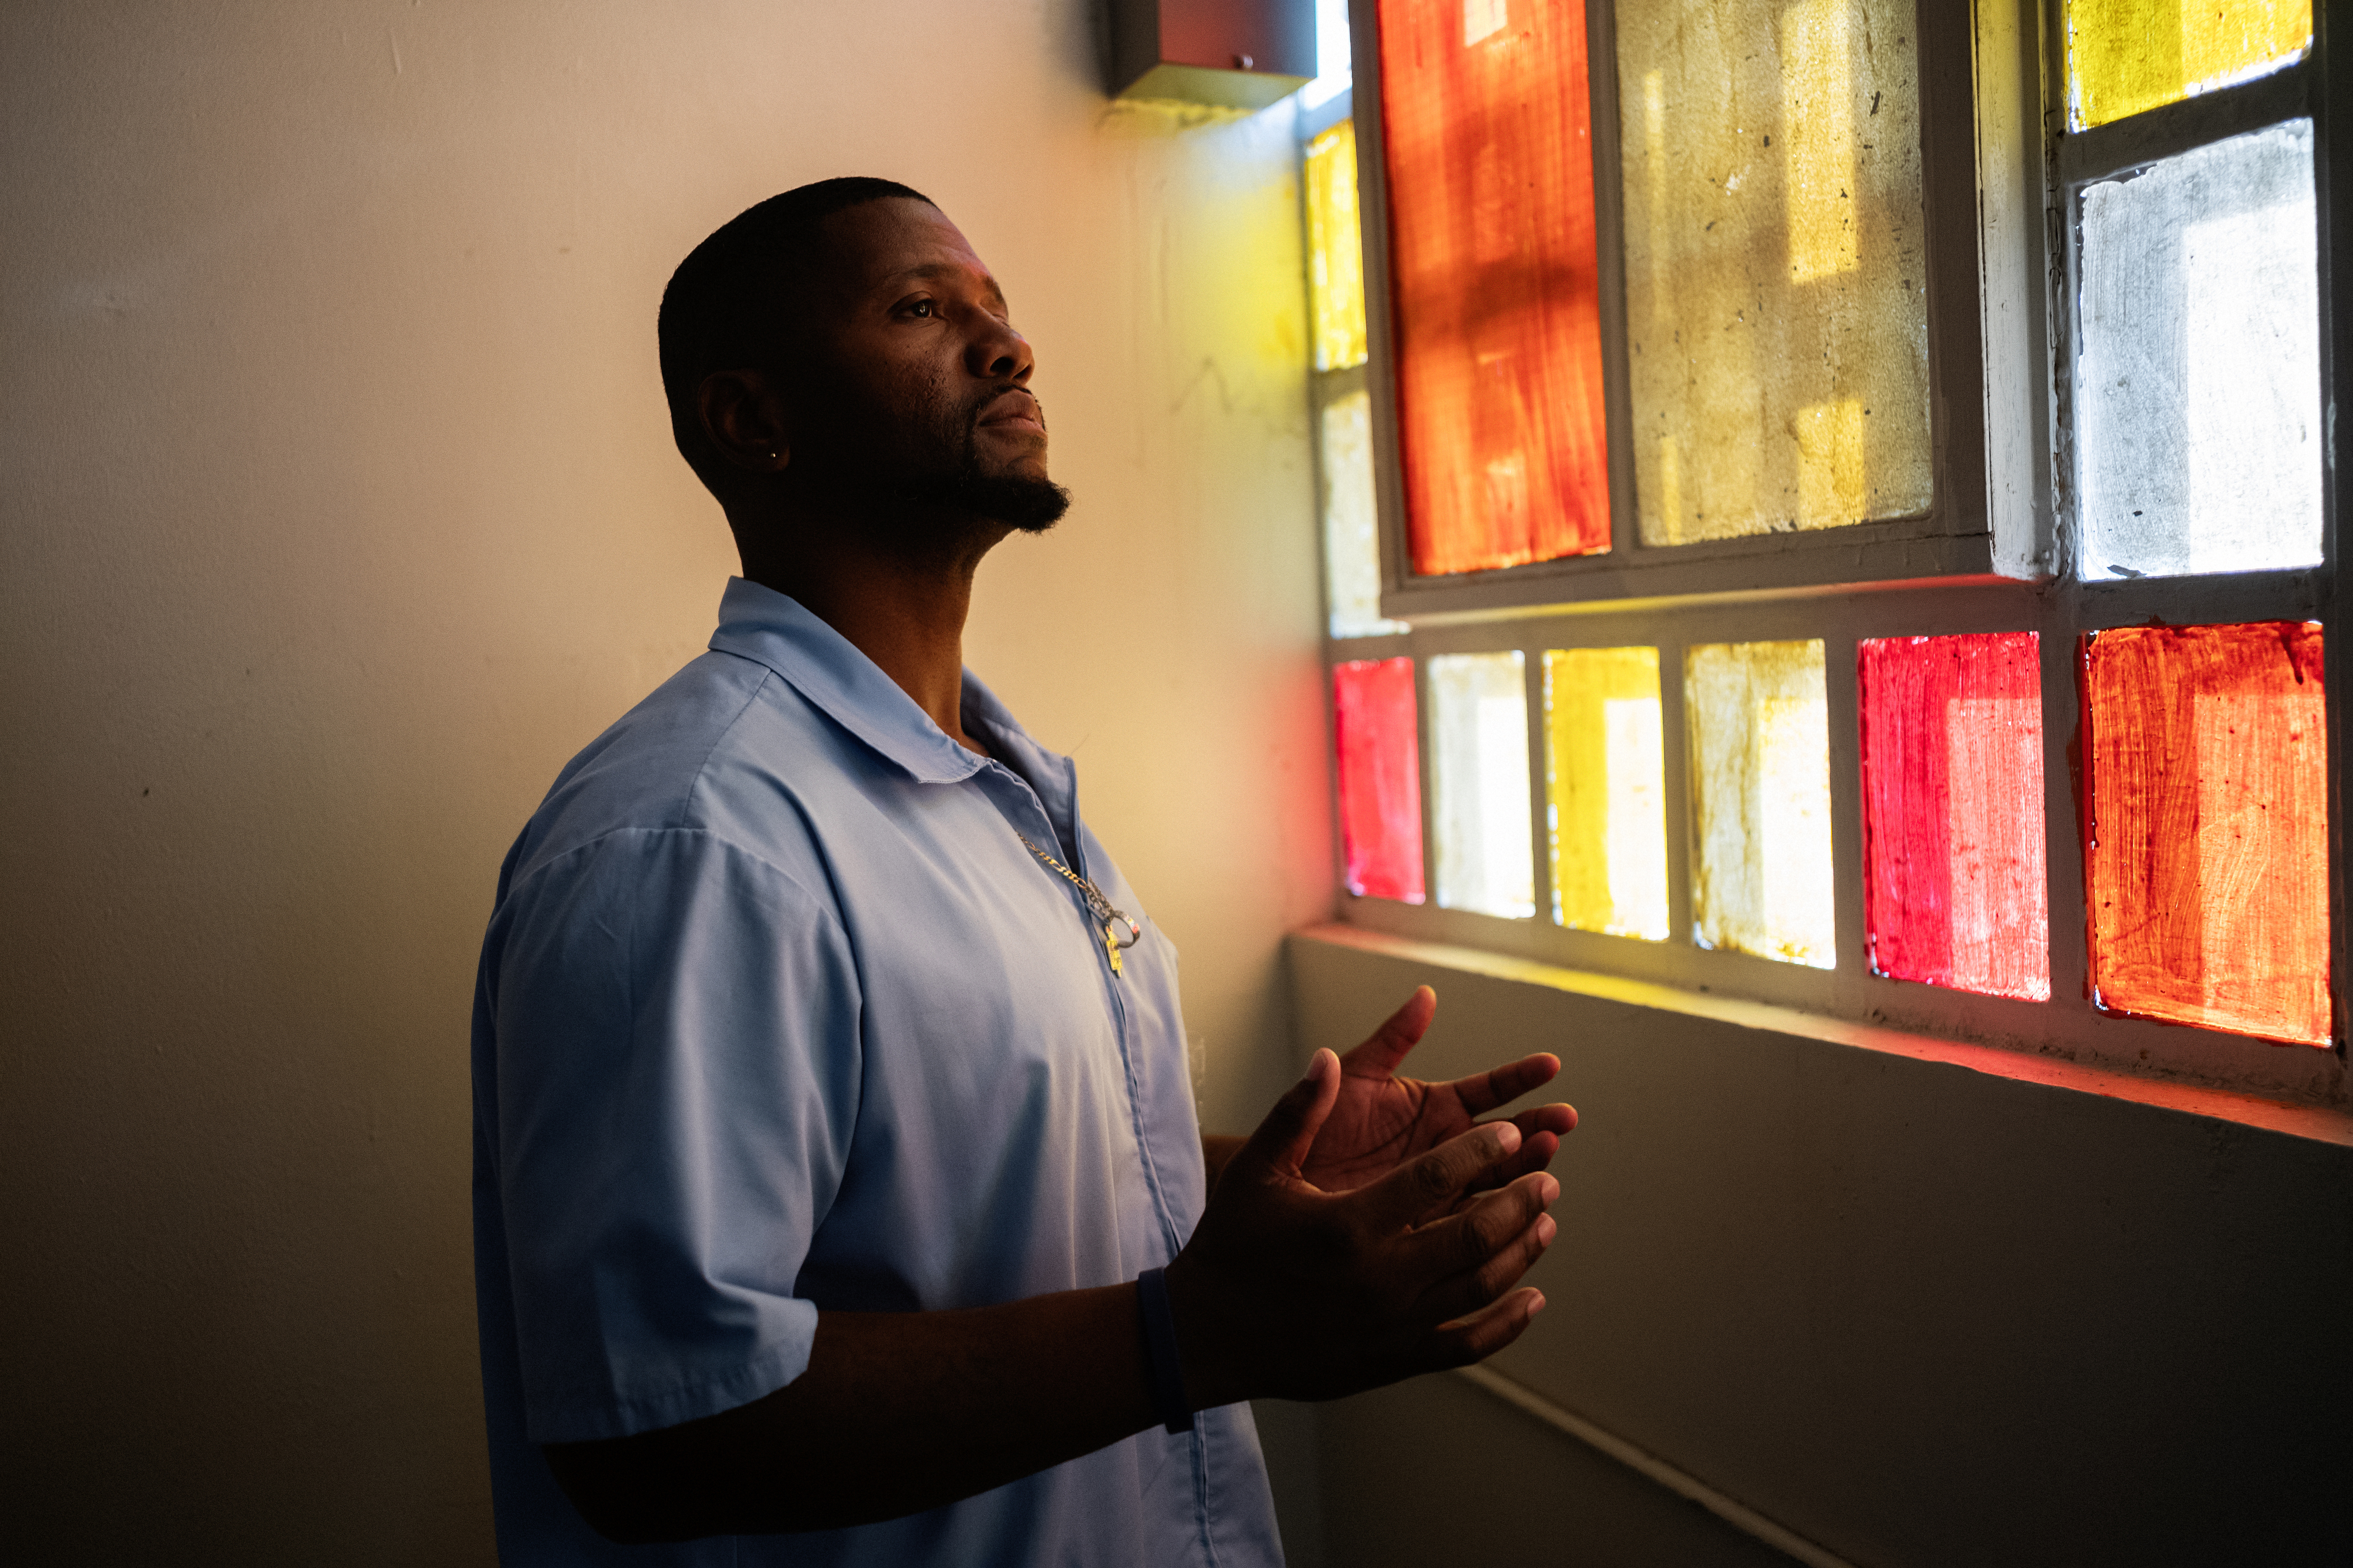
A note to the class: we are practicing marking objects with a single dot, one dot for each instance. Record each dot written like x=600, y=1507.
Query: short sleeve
x=675, y=1067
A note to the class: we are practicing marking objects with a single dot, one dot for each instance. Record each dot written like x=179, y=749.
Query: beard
x=930, y=491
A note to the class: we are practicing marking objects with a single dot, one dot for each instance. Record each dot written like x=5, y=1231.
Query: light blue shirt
x=776, y=1016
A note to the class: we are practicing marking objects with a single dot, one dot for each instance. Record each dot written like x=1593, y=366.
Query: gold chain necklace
x=1118, y=932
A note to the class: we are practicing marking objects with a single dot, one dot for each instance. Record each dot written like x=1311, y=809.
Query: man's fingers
x=1536, y=1150
x=1482, y=1091
x=1485, y=1226
x=1541, y=1130
x=1480, y=1335
x=1476, y=1288
x=1283, y=1140
x=1556, y=1119
x=1381, y=1054
x=1428, y=1185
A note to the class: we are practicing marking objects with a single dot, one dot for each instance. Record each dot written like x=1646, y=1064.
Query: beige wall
x=1912, y=1311
x=340, y=509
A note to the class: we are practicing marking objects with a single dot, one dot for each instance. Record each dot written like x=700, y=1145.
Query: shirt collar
x=774, y=630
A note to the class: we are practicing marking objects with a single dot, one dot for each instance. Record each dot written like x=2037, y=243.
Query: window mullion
x=2122, y=144
x=1675, y=786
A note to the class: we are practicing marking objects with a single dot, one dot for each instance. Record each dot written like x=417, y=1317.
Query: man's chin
x=1029, y=503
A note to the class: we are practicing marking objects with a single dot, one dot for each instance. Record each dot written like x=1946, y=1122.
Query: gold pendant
x=1111, y=947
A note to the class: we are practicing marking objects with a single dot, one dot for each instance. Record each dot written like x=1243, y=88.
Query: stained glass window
x=1606, y=783
x=1776, y=266
x=2198, y=378
x=1952, y=810
x=1488, y=146
x=1479, y=723
x=1606, y=778
x=2208, y=852
x=1352, y=544
x=2126, y=55
x=1380, y=777
x=1335, y=255
x=1759, y=743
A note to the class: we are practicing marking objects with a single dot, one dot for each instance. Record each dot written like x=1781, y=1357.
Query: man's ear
x=744, y=419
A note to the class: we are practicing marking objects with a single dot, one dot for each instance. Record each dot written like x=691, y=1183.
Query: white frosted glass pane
x=1352, y=550
x=1479, y=719
x=1638, y=847
x=1759, y=752
x=1794, y=829
x=2198, y=382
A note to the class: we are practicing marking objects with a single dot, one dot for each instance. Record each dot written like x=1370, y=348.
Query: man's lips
x=1016, y=409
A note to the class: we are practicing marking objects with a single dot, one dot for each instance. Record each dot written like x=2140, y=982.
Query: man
x=838, y=1195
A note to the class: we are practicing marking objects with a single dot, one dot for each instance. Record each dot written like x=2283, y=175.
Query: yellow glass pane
x=1606, y=778
x=1775, y=270
x=1760, y=781
x=2126, y=55
x=1335, y=250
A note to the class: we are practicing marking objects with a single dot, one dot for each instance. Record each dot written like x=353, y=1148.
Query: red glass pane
x=2208, y=858
x=1488, y=138
x=1952, y=796
x=1380, y=777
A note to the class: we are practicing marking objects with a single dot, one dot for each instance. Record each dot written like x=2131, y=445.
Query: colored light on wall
x=1489, y=149
x=2208, y=859
x=2126, y=55
x=1606, y=784
x=1335, y=251
x=1776, y=265
x=1479, y=722
x=1352, y=544
x=2198, y=381
x=1760, y=771
x=1380, y=777
x=1952, y=811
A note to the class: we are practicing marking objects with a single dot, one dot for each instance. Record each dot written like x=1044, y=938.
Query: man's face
x=918, y=385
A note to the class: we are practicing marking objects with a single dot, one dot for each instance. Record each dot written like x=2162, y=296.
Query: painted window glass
x=2197, y=378
x=1335, y=253
x=1489, y=148
x=1352, y=540
x=1479, y=725
x=1760, y=786
x=1775, y=268
x=1952, y=808
x=1380, y=777
x=1606, y=784
x=2207, y=858
x=2126, y=56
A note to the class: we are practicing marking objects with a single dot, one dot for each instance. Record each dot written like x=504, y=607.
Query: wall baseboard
x=1738, y=1515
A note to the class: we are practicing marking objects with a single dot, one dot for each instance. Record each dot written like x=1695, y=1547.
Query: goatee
x=1017, y=501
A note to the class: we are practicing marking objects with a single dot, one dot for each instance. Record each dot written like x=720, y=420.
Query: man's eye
x=922, y=308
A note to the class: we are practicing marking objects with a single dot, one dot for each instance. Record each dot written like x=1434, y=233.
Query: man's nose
x=997, y=352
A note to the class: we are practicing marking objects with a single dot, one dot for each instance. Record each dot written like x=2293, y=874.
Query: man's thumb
x=1289, y=1131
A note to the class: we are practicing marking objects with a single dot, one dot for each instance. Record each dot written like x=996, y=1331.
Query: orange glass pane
x=2208, y=859
x=1490, y=160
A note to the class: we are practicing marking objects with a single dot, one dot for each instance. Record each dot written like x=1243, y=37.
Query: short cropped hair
x=727, y=306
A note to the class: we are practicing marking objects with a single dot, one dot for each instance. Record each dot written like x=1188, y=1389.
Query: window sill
x=2319, y=1124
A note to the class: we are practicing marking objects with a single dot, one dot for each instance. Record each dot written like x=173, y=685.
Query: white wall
x=340, y=509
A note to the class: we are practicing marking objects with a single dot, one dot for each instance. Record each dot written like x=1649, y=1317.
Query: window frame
x=1952, y=539
x=2001, y=180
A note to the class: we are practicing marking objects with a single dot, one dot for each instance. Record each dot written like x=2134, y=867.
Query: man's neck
x=906, y=614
